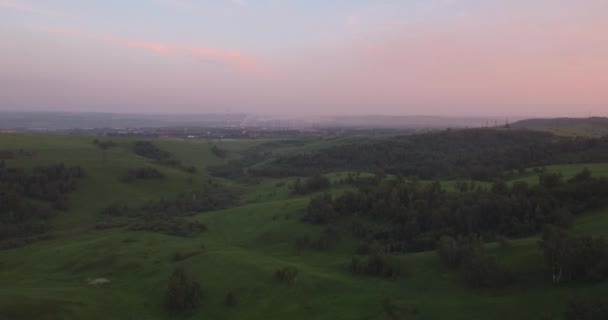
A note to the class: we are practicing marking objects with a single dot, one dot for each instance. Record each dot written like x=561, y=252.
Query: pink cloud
x=232, y=58
x=235, y=58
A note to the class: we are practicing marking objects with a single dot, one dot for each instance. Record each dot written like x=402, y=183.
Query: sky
x=306, y=57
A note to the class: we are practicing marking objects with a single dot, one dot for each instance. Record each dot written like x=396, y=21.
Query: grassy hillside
x=240, y=252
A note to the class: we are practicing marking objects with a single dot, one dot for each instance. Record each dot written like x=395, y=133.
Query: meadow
x=242, y=248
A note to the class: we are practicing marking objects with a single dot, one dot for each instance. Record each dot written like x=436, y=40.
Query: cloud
x=26, y=7
x=232, y=58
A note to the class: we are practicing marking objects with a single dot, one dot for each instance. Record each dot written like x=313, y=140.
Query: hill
x=82, y=269
x=594, y=126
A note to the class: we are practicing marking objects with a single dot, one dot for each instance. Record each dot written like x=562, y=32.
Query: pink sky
x=435, y=57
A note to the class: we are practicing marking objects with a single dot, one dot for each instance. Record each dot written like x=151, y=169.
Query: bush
x=286, y=275
x=182, y=295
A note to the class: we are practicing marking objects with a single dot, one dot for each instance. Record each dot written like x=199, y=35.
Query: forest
x=406, y=216
x=29, y=198
x=477, y=154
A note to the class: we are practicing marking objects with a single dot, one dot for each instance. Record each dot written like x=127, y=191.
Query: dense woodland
x=409, y=216
x=30, y=197
x=478, y=154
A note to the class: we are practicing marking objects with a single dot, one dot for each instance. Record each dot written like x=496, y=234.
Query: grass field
x=240, y=252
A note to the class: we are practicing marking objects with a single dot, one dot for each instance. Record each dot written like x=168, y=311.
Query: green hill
x=245, y=243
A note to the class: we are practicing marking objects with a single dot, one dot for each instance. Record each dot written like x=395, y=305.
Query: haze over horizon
x=420, y=57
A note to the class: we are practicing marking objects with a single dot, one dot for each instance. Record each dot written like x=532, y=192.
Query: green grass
x=239, y=253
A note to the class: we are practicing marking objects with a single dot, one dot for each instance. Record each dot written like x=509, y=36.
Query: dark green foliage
x=503, y=243
x=230, y=300
x=218, y=152
x=478, y=268
x=16, y=154
x=286, y=275
x=389, y=310
x=454, y=252
x=183, y=295
x=29, y=198
x=479, y=154
x=326, y=240
x=586, y=308
x=320, y=209
x=574, y=258
x=310, y=185
x=302, y=242
x=230, y=170
x=166, y=215
x=169, y=226
x=149, y=150
x=377, y=264
x=22, y=241
x=183, y=255
x=409, y=216
x=141, y=173
x=237, y=169
x=484, y=270
x=104, y=146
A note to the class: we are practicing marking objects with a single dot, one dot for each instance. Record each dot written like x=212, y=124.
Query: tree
x=573, y=258
x=104, y=146
x=182, y=295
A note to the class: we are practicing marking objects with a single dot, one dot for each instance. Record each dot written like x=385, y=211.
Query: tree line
x=166, y=215
x=149, y=150
x=475, y=154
